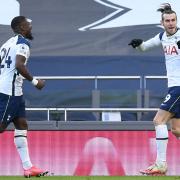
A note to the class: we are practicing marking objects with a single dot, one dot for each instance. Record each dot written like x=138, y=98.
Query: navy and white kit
x=12, y=104
x=172, y=60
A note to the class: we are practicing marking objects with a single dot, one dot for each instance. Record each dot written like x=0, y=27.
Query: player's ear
x=162, y=22
x=20, y=28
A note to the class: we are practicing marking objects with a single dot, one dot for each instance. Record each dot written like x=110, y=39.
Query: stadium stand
x=55, y=52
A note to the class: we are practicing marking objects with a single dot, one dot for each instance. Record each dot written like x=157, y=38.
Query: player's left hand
x=178, y=43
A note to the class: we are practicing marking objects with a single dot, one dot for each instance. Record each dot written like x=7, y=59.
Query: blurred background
x=81, y=48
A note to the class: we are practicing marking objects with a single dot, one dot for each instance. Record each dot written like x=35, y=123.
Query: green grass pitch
x=93, y=178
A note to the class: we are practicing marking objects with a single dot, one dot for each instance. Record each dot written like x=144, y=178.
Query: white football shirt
x=10, y=80
x=171, y=52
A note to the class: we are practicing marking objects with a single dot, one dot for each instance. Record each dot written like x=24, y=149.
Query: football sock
x=20, y=140
x=161, y=143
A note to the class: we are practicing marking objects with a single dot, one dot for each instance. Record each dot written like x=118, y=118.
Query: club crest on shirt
x=22, y=49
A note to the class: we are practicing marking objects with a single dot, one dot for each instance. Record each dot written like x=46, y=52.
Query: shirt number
x=4, y=57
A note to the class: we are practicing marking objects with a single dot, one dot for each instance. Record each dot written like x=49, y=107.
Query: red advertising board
x=88, y=152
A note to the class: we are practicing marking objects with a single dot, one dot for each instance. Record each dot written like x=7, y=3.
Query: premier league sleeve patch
x=23, y=50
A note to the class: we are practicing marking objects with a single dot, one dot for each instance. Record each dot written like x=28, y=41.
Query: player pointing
x=14, y=54
x=170, y=107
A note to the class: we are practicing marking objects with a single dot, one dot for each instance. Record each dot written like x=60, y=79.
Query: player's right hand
x=40, y=84
x=178, y=43
x=135, y=42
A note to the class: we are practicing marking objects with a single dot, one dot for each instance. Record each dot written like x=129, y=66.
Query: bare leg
x=175, y=127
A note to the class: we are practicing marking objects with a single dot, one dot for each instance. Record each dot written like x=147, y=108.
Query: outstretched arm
x=147, y=45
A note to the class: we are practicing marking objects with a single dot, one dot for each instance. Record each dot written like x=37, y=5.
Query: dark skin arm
x=22, y=69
